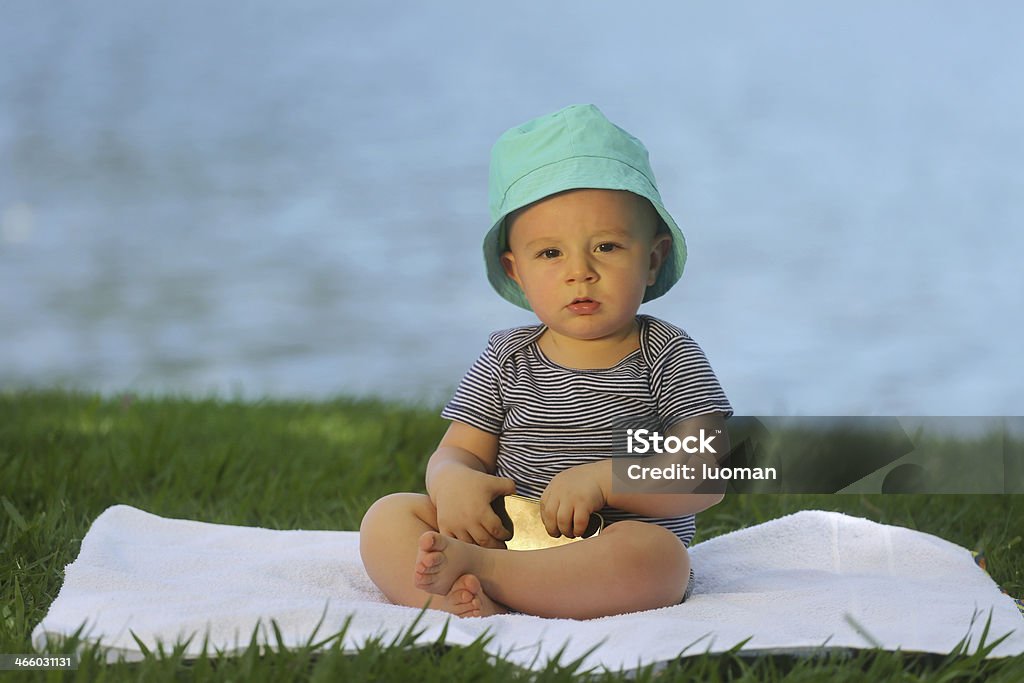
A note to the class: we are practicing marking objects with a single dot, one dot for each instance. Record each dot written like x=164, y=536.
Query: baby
x=579, y=236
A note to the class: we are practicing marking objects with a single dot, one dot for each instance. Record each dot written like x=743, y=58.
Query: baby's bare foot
x=467, y=599
x=440, y=561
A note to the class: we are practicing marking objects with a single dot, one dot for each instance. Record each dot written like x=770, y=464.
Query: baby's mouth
x=583, y=305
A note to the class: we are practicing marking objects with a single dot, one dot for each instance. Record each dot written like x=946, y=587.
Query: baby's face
x=584, y=259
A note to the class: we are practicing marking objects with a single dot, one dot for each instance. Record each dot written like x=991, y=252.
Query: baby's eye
x=607, y=247
x=549, y=253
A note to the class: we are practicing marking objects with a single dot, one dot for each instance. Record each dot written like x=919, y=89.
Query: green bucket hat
x=573, y=148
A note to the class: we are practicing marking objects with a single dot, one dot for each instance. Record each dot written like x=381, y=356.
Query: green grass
x=64, y=458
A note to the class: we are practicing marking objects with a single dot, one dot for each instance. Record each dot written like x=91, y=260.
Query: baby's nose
x=581, y=270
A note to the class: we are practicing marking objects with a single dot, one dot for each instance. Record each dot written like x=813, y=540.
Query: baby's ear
x=661, y=245
x=508, y=262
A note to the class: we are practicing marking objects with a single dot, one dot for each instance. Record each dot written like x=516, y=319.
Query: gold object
x=521, y=516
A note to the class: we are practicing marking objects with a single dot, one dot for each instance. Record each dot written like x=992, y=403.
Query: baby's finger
x=502, y=486
x=548, y=515
x=495, y=528
x=449, y=530
x=565, y=520
x=580, y=521
x=464, y=536
x=483, y=538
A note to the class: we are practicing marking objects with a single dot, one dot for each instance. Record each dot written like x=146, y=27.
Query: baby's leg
x=630, y=566
x=388, y=538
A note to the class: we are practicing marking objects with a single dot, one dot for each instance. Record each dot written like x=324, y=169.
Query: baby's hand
x=463, y=502
x=569, y=499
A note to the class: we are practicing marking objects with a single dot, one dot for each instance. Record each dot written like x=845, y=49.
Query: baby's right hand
x=463, y=500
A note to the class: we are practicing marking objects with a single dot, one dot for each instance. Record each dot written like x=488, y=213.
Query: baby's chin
x=591, y=327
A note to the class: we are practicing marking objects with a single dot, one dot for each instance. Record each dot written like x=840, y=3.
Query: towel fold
x=806, y=580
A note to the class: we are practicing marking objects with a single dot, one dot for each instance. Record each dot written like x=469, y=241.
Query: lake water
x=287, y=199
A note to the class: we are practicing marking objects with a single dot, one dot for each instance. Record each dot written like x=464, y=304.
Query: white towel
x=803, y=581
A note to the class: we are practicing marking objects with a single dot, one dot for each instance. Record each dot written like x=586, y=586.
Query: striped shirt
x=549, y=418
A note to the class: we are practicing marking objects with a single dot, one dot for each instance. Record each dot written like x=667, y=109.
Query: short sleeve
x=684, y=383
x=477, y=401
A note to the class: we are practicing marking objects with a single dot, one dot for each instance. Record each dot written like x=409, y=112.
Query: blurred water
x=279, y=199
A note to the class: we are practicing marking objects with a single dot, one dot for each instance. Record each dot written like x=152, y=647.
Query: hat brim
x=576, y=173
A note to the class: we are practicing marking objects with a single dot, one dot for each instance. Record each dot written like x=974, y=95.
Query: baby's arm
x=573, y=494
x=461, y=485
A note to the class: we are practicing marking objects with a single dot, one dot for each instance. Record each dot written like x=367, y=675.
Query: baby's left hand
x=569, y=499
